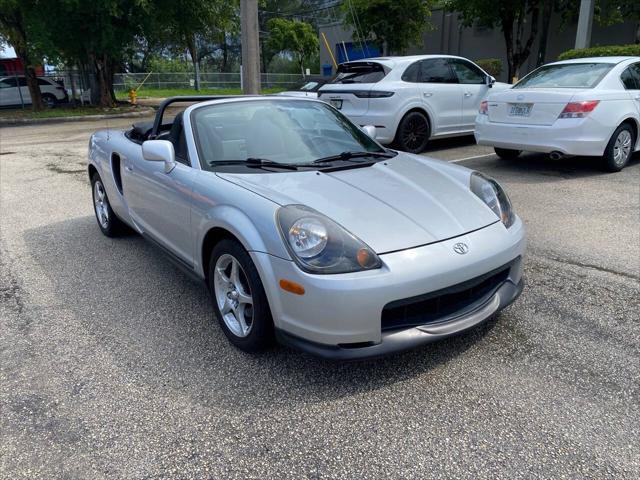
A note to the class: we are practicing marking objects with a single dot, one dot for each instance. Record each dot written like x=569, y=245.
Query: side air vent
x=116, y=169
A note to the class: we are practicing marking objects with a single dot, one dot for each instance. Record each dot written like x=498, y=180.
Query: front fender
x=254, y=235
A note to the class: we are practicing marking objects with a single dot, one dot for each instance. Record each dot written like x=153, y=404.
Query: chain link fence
x=127, y=81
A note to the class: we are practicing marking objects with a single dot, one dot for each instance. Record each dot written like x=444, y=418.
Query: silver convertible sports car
x=305, y=229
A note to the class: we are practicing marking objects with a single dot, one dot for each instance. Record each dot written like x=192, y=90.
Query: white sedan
x=411, y=99
x=588, y=106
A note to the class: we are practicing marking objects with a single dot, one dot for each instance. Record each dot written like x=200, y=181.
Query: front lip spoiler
x=406, y=339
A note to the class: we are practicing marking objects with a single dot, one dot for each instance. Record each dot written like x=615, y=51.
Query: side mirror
x=370, y=130
x=490, y=81
x=160, y=151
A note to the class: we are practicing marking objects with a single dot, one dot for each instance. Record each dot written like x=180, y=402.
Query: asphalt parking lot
x=111, y=365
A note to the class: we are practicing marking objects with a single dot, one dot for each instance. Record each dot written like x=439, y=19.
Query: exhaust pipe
x=556, y=155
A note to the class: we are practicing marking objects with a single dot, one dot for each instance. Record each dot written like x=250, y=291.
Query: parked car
x=587, y=106
x=306, y=228
x=411, y=99
x=308, y=89
x=12, y=87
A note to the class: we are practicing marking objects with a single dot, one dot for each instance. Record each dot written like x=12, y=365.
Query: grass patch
x=173, y=92
x=57, y=112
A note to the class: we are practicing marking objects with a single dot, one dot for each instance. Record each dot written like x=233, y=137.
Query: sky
x=7, y=51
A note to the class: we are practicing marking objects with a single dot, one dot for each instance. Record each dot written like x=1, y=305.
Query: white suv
x=411, y=99
x=52, y=92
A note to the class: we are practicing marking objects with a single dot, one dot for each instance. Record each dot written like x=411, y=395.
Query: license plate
x=336, y=102
x=520, y=109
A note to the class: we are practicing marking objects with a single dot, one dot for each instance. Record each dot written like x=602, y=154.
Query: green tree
x=192, y=23
x=295, y=37
x=394, y=25
x=512, y=17
x=95, y=35
x=21, y=27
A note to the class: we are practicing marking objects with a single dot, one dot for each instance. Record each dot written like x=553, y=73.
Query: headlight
x=320, y=245
x=491, y=193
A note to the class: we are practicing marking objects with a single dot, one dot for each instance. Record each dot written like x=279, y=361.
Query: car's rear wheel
x=413, y=133
x=507, y=153
x=108, y=222
x=49, y=100
x=620, y=148
x=239, y=300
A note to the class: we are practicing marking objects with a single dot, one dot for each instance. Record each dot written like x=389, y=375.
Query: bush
x=606, y=51
x=492, y=66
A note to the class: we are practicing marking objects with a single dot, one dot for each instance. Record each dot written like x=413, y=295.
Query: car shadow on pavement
x=537, y=167
x=156, y=324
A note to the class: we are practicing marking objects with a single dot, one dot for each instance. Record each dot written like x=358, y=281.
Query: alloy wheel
x=622, y=147
x=415, y=133
x=233, y=295
x=101, y=204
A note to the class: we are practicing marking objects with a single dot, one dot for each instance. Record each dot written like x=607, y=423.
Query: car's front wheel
x=507, y=153
x=619, y=148
x=108, y=222
x=413, y=133
x=239, y=300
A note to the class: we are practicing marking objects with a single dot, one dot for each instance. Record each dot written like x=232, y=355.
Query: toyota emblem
x=460, y=248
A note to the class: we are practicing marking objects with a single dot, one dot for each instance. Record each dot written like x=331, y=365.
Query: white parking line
x=471, y=158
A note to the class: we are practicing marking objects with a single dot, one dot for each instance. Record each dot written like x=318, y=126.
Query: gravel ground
x=111, y=365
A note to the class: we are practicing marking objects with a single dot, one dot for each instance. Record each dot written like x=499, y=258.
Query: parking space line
x=471, y=158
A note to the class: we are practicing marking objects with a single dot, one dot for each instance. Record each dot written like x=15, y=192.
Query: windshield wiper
x=347, y=156
x=253, y=162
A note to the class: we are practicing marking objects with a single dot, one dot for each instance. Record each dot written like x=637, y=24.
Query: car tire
x=507, y=153
x=109, y=223
x=619, y=149
x=239, y=300
x=413, y=133
x=49, y=100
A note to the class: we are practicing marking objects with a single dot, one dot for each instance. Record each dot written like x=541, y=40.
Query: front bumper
x=406, y=339
x=345, y=311
x=575, y=136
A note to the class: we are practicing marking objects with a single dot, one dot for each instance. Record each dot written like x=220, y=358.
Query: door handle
x=467, y=94
x=427, y=94
x=637, y=97
x=128, y=168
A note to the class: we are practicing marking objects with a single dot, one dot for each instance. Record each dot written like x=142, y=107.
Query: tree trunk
x=191, y=47
x=547, y=9
x=507, y=30
x=225, y=52
x=31, y=78
x=517, y=54
x=104, y=80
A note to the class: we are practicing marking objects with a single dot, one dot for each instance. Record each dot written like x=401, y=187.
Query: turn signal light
x=484, y=108
x=291, y=287
x=578, y=109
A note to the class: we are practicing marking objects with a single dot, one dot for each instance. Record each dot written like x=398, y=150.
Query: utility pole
x=585, y=21
x=250, y=47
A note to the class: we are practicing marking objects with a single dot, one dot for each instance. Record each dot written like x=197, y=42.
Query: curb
x=79, y=118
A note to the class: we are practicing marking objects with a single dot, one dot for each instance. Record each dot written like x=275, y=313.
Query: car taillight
x=373, y=94
x=578, y=109
x=484, y=108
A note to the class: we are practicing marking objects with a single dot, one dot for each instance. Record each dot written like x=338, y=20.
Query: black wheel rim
x=414, y=133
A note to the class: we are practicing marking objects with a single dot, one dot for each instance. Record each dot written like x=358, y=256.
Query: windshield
x=284, y=131
x=310, y=86
x=567, y=75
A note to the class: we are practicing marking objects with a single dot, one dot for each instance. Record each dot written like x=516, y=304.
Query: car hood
x=402, y=203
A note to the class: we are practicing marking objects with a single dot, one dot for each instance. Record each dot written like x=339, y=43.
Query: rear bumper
x=385, y=126
x=406, y=339
x=568, y=136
